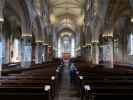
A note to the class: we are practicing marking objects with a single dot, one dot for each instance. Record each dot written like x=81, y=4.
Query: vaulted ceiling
x=62, y=7
x=67, y=12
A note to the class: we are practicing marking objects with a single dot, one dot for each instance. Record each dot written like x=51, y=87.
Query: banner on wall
x=50, y=51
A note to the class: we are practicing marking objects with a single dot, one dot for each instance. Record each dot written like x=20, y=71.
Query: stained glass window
x=16, y=53
x=73, y=48
x=0, y=52
x=130, y=44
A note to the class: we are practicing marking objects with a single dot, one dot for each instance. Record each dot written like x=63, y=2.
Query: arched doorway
x=66, y=45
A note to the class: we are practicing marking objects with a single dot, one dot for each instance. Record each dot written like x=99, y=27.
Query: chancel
x=66, y=49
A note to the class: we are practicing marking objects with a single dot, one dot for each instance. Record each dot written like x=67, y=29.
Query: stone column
x=39, y=53
x=109, y=52
x=43, y=53
x=26, y=54
x=1, y=51
x=89, y=53
x=1, y=32
x=95, y=53
x=33, y=52
x=46, y=52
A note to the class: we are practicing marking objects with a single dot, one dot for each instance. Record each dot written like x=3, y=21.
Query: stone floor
x=67, y=91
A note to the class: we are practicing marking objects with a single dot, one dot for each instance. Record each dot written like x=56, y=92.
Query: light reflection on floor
x=67, y=91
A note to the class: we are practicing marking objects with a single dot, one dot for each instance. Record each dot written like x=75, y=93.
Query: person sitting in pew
x=73, y=71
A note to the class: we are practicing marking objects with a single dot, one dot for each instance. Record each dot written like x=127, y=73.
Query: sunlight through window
x=131, y=44
x=59, y=48
x=73, y=48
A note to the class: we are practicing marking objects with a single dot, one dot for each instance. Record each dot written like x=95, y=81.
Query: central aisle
x=67, y=91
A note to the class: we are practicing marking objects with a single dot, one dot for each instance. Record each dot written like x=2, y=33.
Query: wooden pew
x=38, y=77
x=19, y=69
x=22, y=88
x=92, y=90
x=102, y=81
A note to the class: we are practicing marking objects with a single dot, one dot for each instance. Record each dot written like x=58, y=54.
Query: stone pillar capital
x=1, y=10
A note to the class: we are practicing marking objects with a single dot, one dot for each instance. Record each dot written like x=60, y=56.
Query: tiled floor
x=67, y=91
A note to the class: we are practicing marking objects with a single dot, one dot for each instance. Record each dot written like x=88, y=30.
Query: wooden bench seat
x=40, y=80
x=19, y=70
x=97, y=82
x=103, y=88
x=26, y=86
x=26, y=93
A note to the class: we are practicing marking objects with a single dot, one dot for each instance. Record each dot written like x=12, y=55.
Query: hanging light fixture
x=132, y=19
x=1, y=19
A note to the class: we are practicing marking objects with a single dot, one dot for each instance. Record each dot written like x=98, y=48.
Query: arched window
x=73, y=48
x=130, y=44
x=59, y=48
x=16, y=51
x=1, y=52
